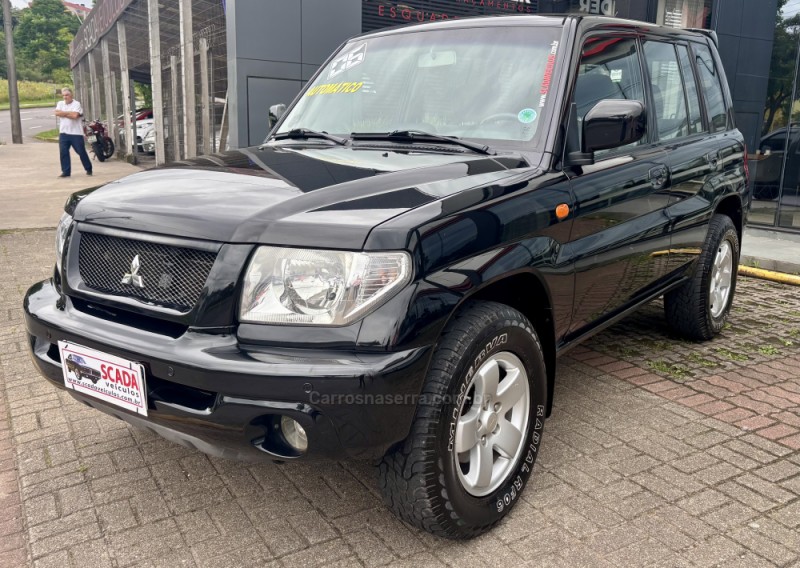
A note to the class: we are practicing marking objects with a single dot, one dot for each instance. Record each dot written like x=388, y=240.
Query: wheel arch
x=527, y=293
x=731, y=206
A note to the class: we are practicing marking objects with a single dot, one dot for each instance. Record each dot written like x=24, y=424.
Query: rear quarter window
x=710, y=83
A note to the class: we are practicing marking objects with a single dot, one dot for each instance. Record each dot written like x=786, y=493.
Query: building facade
x=249, y=54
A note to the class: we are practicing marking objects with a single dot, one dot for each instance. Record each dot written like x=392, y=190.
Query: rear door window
x=668, y=94
x=712, y=88
x=695, y=115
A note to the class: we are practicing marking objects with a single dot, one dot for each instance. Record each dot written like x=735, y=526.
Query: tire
x=108, y=148
x=98, y=151
x=699, y=308
x=423, y=480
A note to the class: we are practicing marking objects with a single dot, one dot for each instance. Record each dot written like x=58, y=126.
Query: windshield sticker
x=348, y=60
x=527, y=115
x=334, y=88
x=548, y=74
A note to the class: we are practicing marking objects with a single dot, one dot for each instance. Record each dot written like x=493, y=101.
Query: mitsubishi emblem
x=133, y=277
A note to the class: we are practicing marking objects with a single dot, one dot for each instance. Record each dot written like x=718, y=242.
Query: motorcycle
x=101, y=143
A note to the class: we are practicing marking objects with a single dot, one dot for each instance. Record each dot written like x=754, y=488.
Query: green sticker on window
x=527, y=115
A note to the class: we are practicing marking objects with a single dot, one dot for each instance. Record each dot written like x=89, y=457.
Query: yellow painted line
x=769, y=275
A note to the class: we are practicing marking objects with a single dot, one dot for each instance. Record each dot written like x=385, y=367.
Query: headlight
x=150, y=136
x=295, y=286
x=61, y=237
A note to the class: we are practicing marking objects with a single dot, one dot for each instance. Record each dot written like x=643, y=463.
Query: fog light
x=294, y=434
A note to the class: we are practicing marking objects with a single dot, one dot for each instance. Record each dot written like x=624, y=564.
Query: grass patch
x=768, y=350
x=655, y=344
x=30, y=91
x=31, y=104
x=48, y=135
x=731, y=355
x=702, y=361
x=623, y=350
x=677, y=371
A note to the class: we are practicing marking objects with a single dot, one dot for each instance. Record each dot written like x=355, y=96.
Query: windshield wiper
x=421, y=136
x=304, y=133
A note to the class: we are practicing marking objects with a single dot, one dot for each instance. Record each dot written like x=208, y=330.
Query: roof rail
x=708, y=33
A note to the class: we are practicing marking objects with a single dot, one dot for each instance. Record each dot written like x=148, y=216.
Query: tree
x=145, y=93
x=43, y=35
x=782, y=68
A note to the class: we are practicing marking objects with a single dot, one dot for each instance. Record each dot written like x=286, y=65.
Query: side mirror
x=275, y=113
x=613, y=123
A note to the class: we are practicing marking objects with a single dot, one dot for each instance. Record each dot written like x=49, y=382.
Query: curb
x=770, y=275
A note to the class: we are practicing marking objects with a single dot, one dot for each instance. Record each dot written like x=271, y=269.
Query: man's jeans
x=76, y=141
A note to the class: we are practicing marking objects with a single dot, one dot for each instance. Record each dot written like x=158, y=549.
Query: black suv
x=440, y=213
x=78, y=366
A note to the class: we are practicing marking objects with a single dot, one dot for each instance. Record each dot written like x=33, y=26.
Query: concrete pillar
x=76, y=83
x=126, y=87
x=155, y=78
x=114, y=105
x=173, y=110
x=108, y=83
x=205, y=103
x=187, y=72
x=223, y=127
x=96, y=110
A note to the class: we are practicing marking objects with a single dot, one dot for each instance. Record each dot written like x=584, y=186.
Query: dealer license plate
x=106, y=377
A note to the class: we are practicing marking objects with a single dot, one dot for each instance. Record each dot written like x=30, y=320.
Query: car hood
x=301, y=196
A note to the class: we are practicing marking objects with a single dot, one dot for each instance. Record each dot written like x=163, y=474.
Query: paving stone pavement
x=659, y=452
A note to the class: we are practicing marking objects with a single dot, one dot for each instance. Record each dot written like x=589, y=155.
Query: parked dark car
x=439, y=214
x=77, y=365
x=772, y=153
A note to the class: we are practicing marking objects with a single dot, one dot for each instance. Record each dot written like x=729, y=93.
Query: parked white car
x=144, y=124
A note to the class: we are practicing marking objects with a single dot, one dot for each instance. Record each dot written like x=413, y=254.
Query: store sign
x=603, y=7
x=97, y=24
x=378, y=14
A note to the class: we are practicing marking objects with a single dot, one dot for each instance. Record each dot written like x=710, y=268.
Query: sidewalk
x=771, y=250
x=32, y=193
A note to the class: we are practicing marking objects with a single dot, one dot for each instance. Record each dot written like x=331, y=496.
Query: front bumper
x=210, y=392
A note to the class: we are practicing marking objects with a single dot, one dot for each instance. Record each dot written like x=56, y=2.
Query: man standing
x=69, y=113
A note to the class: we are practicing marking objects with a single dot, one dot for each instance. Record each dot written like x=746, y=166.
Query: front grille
x=171, y=276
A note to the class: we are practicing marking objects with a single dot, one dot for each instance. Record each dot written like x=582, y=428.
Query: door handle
x=713, y=159
x=659, y=176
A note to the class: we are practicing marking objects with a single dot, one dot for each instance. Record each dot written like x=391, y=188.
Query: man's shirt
x=70, y=125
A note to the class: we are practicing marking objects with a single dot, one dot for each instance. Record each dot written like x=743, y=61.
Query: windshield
x=486, y=83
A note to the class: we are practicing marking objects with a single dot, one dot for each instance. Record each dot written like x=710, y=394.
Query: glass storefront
x=684, y=13
x=775, y=164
